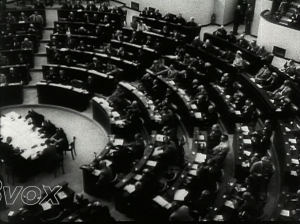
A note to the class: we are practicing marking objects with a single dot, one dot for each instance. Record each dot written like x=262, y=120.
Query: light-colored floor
x=90, y=138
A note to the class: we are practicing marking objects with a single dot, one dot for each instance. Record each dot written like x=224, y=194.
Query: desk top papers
x=151, y=163
x=292, y=141
x=118, y=141
x=159, y=138
x=237, y=112
x=247, y=141
x=218, y=218
x=200, y=158
x=129, y=188
x=46, y=206
x=96, y=172
x=229, y=204
x=162, y=202
x=295, y=161
x=180, y=195
x=285, y=213
x=198, y=115
x=245, y=128
x=193, y=172
x=137, y=177
x=193, y=106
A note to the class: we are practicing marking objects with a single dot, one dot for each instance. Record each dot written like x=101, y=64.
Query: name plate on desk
x=198, y=115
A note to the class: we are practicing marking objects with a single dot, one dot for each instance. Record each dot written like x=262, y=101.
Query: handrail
x=268, y=17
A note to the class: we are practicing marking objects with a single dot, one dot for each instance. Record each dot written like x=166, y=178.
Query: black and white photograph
x=149, y=110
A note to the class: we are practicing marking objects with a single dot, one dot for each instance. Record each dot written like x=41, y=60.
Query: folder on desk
x=10, y=213
x=200, y=158
x=285, y=213
x=151, y=163
x=295, y=161
x=172, y=82
x=161, y=201
x=180, y=195
x=118, y=141
x=252, y=79
x=46, y=206
x=198, y=115
x=159, y=138
x=247, y=141
x=229, y=204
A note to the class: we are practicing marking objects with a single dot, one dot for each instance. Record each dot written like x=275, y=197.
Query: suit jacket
x=36, y=18
x=78, y=7
x=27, y=45
x=91, y=8
x=14, y=78
x=11, y=19
x=23, y=18
x=70, y=43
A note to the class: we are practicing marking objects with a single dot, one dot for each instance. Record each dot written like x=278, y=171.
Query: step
x=36, y=75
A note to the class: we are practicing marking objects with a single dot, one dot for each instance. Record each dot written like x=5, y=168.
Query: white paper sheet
x=180, y=195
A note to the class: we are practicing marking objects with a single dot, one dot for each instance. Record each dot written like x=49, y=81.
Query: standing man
x=248, y=19
x=238, y=14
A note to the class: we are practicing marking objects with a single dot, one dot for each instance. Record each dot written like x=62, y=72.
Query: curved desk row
x=198, y=149
x=130, y=69
x=184, y=108
x=11, y=94
x=22, y=27
x=102, y=113
x=208, y=57
x=146, y=106
x=168, y=44
x=12, y=56
x=7, y=41
x=79, y=14
x=27, y=12
x=65, y=96
x=150, y=54
x=105, y=83
x=253, y=59
x=89, y=40
x=21, y=70
x=159, y=24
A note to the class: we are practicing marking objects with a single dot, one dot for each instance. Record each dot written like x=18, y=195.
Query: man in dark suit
x=68, y=61
x=238, y=14
x=13, y=76
x=36, y=118
x=27, y=44
x=91, y=6
x=67, y=5
x=157, y=15
x=38, y=5
x=78, y=5
x=180, y=20
x=10, y=18
x=51, y=75
x=248, y=19
x=95, y=65
x=70, y=43
x=21, y=59
x=89, y=85
x=48, y=129
x=3, y=60
x=23, y=17
x=109, y=50
x=72, y=17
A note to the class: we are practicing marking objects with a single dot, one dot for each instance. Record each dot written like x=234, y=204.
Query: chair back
x=72, y=144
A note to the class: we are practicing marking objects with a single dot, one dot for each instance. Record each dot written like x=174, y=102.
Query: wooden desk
x=27, y=12
x=12, y=55
x=11, y=94
x=64, y=96
x=159, y=24
x=116, y=19
x=7, y=40
x=22, y=27
x=255, y=61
